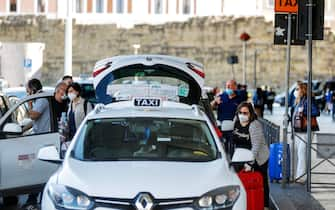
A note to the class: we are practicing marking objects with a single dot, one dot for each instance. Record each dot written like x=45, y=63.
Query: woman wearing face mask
x=77, y=110
x=248, y=133
x=300, y=111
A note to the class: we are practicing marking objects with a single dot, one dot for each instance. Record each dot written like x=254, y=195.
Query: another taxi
x=145, y=153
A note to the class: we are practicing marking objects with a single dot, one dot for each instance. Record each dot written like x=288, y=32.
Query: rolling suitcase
x=276, y=161
x=253, y=184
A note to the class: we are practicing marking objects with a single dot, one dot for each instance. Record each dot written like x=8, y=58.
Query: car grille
x=129, y=204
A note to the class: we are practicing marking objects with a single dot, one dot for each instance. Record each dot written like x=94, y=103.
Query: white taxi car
x=145, y=153
x=116, y=78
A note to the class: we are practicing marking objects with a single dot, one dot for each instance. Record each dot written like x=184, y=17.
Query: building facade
x=126, y=13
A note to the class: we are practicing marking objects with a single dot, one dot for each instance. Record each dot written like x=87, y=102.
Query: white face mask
x=71, y=96
x=243, y=118
x=296, y=94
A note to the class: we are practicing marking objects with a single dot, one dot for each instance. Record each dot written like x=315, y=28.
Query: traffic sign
x=317, y=20
x=281, y=27
x=289, y=6
x=27, y=63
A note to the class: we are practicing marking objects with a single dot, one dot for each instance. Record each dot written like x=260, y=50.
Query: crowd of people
x=237, y=118
x=240, y=127
x=67, y=99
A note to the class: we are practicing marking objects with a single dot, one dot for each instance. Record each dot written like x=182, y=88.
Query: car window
x=20, y=116
x=151, y=86
x=145, y=139
x=3, y=106
x=88, y=92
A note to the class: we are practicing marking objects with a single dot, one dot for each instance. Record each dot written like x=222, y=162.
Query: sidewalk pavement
x=292, y=197
x=295, y=196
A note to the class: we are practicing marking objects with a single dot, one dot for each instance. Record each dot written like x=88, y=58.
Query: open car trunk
x=171, y=78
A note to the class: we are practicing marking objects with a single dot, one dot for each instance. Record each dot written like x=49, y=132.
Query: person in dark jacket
x=258, y=101
x=226, y=105
x=300, y=110
x=270, y=98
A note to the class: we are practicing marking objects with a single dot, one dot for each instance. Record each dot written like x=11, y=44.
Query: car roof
x=168, y=109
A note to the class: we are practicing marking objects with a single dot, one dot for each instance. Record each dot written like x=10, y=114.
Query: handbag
x=300, y=123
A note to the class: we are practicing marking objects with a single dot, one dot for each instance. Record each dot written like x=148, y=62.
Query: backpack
x=85, y=106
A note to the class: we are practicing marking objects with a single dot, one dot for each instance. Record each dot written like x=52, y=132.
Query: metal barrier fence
x=322, y=168
x=271, y=131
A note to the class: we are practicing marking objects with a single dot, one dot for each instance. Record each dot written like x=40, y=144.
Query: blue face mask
x=229, y=91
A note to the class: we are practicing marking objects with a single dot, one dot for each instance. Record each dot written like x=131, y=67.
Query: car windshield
x=161, y=139
x=129, y=87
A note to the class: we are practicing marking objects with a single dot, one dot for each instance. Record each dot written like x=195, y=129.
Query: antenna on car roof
x=98, y=108
x=196, y=109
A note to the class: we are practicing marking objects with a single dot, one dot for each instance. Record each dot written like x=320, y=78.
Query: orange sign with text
x=289, y=6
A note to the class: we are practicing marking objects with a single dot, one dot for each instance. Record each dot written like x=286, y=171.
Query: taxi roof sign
x=289, y=6
x=146, y=102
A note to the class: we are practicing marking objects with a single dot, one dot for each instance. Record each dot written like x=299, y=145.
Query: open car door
x=20, y=170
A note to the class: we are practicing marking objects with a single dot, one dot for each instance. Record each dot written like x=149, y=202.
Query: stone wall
x=208, y=40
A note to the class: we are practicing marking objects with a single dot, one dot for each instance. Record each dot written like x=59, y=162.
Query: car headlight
x=68, y=198
x=224, y=197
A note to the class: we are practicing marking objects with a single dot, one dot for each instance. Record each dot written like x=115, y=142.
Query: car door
x=19, y=166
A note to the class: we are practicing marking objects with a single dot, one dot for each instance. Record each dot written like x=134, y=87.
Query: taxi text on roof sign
x=147, y=102
x=290, y=6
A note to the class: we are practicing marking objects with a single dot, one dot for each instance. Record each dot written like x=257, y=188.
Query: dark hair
x=67, y=77
x=252, y=112
x=75, y=86
x=34, y=85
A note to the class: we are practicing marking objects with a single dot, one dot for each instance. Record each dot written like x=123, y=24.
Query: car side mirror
x=12, y=128
x=242, y=155
x=49, y=154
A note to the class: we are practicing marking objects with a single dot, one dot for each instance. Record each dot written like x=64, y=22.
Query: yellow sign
x=289, y=6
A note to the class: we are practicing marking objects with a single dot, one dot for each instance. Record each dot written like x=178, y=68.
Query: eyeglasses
x=244, y=113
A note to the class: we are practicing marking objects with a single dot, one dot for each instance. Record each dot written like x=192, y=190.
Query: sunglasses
x=244, y=113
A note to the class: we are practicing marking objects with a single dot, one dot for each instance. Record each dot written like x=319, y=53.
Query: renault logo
x=144, y=202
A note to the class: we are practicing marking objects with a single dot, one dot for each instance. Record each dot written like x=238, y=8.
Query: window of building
x=186, y=7
x=119, y=6
x=41, y=6
x=79, y=6
x=158, y=6
x=13, y=6
x=99, y=8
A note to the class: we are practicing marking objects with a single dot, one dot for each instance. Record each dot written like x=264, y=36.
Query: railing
x=271, y=131
x=322, y=161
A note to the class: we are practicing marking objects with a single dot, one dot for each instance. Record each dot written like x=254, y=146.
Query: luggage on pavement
x=276, y=162
x=253, y=184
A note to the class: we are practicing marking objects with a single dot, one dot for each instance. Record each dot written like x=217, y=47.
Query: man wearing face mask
x=60, y=100
x=39, y=108
x=78, y=108
x=226, y=105
x=39, y=112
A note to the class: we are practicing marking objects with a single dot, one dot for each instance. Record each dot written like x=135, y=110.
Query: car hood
x=125, y=179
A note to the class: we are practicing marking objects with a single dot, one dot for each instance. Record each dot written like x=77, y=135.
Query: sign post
x=310, y=27
x=288, y=7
